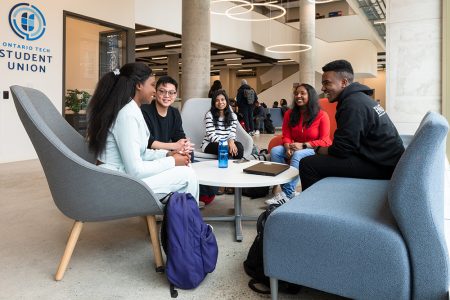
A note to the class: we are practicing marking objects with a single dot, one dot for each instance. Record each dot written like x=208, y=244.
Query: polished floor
x=112, y=260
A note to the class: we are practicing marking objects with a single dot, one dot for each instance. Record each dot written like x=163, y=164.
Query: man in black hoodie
x=366, y=143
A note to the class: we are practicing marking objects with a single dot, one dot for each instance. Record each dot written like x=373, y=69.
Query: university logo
x=27, y=21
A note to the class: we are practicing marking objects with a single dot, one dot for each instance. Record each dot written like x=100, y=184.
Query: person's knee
x=306, y=163
x=277, y=151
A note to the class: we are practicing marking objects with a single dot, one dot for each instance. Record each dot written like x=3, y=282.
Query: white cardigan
x=126, y=146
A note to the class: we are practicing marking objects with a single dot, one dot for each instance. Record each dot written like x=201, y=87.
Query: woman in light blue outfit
x=118, y=134
x=305, y=127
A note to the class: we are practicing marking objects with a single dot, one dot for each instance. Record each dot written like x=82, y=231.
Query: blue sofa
x=276, y=116
x=368, y=239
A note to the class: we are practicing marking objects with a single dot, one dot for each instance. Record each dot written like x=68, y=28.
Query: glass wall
x=91, y=50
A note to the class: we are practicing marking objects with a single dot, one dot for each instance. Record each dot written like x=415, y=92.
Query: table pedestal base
x=237, y=218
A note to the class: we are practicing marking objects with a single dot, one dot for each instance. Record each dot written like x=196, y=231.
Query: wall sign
x=29, y=24
x=27, y=21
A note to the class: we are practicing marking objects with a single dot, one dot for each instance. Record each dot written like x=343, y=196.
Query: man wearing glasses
x=163, y=120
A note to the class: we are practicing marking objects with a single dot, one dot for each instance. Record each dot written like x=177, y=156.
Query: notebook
x=266, y=168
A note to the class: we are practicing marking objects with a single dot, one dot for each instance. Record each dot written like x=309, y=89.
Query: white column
x=196, y=55
x=307, y=36
x=413, y=53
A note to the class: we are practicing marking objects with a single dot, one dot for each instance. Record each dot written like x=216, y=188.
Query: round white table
x=209, y=173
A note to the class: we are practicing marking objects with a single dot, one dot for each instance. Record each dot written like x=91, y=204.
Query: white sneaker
x=279, y=198
x=256, y=132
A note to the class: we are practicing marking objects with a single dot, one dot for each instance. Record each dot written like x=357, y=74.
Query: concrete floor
x=112, y=260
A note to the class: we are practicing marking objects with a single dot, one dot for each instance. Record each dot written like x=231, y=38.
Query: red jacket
x=318, y=134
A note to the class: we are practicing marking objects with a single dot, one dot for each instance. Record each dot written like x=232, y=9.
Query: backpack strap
x=173, y=291
x=252, y=284
x=166, y=198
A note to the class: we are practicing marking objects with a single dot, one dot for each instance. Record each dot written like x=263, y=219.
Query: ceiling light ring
x=320, y=1
x=271, y=48
x=244, y=3
x=232, y=16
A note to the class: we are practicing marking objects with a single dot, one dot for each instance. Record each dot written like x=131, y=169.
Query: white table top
x=209, y=173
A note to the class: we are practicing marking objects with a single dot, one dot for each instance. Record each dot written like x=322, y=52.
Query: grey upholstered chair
x=193, y=113
x=369, y=239
x=99, y=194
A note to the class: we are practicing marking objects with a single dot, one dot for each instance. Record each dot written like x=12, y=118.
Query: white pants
x=178, y=179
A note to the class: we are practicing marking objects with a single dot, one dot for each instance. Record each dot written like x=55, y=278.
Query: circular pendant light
x=231, y=15
x=279, y=48
x=320, y=1
x=243, y=3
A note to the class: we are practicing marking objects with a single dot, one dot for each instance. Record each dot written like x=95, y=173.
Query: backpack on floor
x=189, y=243
x=256, y=192
x=254, y=264
x=268, y=125
x=250, y=95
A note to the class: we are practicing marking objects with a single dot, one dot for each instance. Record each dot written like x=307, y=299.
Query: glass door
x=92, y=48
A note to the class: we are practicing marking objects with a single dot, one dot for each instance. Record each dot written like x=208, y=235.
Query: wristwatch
x=304, y=146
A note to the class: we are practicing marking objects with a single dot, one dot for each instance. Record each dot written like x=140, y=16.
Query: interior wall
x=270, y=76
x=325, y=8
x=446, y=66
x=379, y=84
x=16, y=144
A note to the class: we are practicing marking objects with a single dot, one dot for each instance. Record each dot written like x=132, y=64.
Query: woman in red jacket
x=305, y=127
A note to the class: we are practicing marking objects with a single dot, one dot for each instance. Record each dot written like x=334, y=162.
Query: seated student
x=166, y=128
x=366, y=143
x=305, y=127
x=220, y=123
x=118, y=135
x=284, y=106
x=259, y=113
x=163, y=120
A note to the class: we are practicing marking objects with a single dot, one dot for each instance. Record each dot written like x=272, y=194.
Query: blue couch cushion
x=339, y=236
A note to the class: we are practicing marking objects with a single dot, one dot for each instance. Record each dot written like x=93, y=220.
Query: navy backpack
x=189, y=243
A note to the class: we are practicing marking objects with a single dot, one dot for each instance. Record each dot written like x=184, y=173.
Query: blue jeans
x=277, y=154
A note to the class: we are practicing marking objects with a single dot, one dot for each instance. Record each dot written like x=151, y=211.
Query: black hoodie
x=364, y=129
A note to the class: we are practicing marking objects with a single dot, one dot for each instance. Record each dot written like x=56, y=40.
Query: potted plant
x=76, y=101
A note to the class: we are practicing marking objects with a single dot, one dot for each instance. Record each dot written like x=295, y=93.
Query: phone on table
x=240, y=161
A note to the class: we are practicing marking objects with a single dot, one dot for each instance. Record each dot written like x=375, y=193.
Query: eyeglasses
x=170, y=93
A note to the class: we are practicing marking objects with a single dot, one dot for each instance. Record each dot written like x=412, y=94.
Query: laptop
x=266, y=168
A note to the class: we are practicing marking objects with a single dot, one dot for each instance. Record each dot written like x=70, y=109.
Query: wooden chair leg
x=154, y=237
x=71, y=242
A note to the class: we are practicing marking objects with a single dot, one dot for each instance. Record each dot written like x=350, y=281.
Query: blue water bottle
x=223, y=154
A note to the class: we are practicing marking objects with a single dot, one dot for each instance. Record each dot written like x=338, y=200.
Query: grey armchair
x=369, y=239
x=99, y=194
x=193, y=113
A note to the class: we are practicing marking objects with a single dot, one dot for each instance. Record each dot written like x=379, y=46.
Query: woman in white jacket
x=118, y=135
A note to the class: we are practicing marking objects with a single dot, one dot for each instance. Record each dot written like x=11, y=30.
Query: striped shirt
x=215, y=133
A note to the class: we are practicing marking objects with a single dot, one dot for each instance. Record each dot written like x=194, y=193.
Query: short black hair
x=341, y=66
x=163, y=80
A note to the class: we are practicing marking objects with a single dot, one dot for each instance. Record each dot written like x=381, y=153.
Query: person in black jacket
x=245, y=108
x=163, y=120
x=366, y=143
